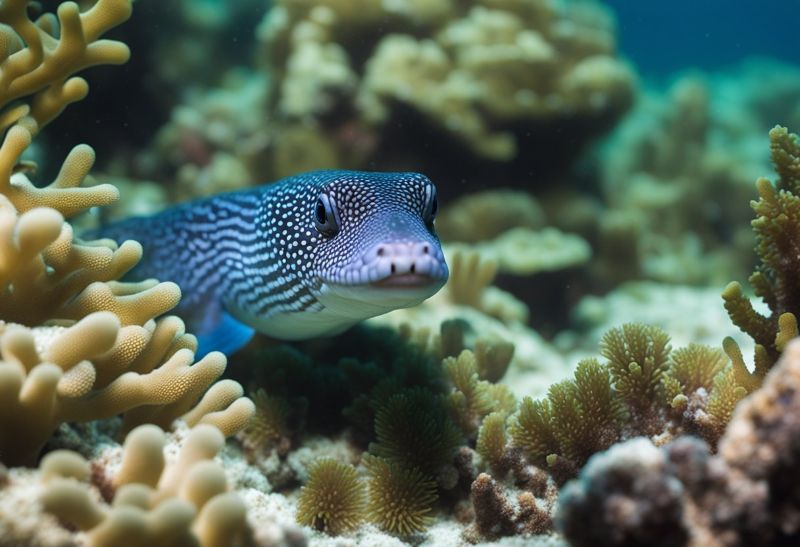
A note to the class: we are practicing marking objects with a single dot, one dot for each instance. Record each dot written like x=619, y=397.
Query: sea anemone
x=399, y=499
x=333, y=499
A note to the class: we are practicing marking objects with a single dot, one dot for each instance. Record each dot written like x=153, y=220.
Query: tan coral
x=105, y=350
x=473, y=72
x=59, y=382
x=185, y=502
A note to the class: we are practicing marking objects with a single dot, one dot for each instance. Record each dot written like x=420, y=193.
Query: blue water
x=664, y=36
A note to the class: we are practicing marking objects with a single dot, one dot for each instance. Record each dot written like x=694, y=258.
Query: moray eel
x=307, y=256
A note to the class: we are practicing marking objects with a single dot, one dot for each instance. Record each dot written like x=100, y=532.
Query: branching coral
x=66, y=380
x=183, y=503
x=38, y=58
x=776, y=226
x=103, y=352
x=642, y=389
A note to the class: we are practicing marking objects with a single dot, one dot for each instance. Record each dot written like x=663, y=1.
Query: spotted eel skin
x=310, y=255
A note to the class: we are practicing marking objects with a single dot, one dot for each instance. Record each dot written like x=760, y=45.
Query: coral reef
x=335, y=80
x=643, y=388
x=480, y=75
x=676, y=176
x=681, y=494
x=148, y=500
x=102, y=352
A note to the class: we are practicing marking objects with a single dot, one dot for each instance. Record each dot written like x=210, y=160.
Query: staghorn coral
x=333, y=500
x=185, y=502
x=776, y=227
x=482, y=76
x=39, y=58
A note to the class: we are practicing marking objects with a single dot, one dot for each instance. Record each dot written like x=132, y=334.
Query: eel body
x=310, y=255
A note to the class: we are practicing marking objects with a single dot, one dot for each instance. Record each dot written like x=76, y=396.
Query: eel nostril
x=380, y=251
x=425, y=250
x=413, y=268
x=394, y=268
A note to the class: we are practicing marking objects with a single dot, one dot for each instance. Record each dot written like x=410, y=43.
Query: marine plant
x=777, y=230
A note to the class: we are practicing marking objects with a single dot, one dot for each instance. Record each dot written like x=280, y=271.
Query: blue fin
x=226, y=335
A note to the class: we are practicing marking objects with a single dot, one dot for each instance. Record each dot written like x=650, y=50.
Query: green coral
x=689, y=370
x=413, y=429
x=777, y=230
x=269, y=426
x=637, y=356
x=492, y=441
x=414, y=400
x=643, y=388
x=578, y=418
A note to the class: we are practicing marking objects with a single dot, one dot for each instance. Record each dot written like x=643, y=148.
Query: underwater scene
x=339, y=273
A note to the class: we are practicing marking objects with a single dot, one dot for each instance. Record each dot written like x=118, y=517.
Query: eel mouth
x=404, y=281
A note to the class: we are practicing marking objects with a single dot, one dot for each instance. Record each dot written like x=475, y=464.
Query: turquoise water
x=663, y=37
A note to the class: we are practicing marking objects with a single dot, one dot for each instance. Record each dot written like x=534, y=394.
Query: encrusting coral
x=77, y=344
x=152, y=502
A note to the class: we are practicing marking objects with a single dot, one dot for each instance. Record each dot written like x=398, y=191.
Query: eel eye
x=431, y=207
x=325, y=218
